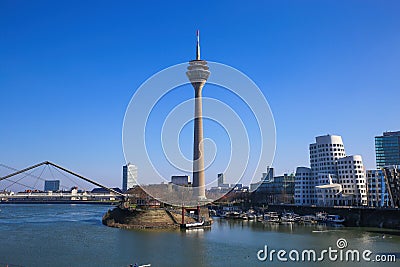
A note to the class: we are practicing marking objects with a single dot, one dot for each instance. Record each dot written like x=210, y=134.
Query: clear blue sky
x=69, y=68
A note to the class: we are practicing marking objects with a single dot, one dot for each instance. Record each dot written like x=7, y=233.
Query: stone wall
x=139, y=219
x=362, y=217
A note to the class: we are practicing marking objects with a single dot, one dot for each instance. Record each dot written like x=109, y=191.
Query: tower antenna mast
x=198, y=45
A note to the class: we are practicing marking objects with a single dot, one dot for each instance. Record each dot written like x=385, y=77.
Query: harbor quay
x=353, y=216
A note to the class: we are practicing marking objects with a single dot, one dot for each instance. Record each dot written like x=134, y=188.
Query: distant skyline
x=69, y=69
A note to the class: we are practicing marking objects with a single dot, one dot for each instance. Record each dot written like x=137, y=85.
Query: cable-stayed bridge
x=48, y=182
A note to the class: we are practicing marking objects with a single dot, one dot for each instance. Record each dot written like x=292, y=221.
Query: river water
x=72, y=235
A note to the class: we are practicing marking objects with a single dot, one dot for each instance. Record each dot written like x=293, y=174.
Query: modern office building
x=376, y=189
x=129, y=176
x=392, y=180
x=333, y=179
x=51, y=185
x=387, y=149
x=183, y=180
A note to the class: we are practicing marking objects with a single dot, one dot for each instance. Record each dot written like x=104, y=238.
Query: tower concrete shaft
x=198, y=73
x=198, y=146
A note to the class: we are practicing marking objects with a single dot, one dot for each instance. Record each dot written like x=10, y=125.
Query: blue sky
x=69, y=68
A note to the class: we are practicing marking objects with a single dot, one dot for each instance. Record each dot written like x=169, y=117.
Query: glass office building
x=387, y=149
x=51, y=185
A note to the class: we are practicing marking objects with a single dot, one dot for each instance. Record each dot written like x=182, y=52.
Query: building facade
x=274, y=189
x=221, y=181
x=392, y=180
x=304, y=190
x=351, y=176
x=129, y=176
x=376, y=189
x=183, y=180
x=51, y=185
x=387, y=149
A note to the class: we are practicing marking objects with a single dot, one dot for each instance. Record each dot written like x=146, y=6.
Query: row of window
x=304, y=196
x=326, y=149
x=350, y=171
x=330, y=145
x=303, y=178
x=304, y=183
x=337, y=154
x=305, y=192
x=373, y=191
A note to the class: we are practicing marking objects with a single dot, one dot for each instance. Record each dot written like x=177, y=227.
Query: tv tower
x=198, y=73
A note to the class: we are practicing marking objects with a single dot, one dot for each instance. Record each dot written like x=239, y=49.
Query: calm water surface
x=72, y=235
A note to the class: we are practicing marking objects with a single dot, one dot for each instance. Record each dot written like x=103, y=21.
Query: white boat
x=251, y=217
x=193, y=225
x=290, y=217
x=232, y=215
x=321, y=216
x=272, y=217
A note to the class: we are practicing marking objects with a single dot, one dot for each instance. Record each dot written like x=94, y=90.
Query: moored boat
x=251, y=217
x=232, y=215
x=290, y=217
x=321, y=216
x=271, y=217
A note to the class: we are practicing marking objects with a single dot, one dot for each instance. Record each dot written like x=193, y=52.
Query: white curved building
x=337, y=179
x=352, y=178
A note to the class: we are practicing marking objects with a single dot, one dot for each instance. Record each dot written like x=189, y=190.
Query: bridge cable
x=17, y=181
x=40, y=176
x=14, y=169
x=72, y=180
x=54, y=178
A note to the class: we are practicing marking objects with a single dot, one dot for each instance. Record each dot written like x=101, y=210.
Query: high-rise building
x=51, y=185
x=221, y=181
x=377, y=192
x=324, y=154
x=392, y=180
x=198, y=73
x=334, y=178
x=129, y=176
x=387, y=149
